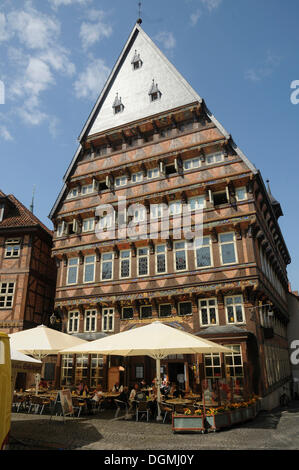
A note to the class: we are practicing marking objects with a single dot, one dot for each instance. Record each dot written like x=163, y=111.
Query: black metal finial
x=139, y=21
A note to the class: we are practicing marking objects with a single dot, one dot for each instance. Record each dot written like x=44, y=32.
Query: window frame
x=12, y=242
x=165, y=316
x=243, y=322
x=69, y=266
x=76, y=319
x=147, y=256
x=106, y=261
x=175, y=253
x=90, y=221
x=7, y=294
x=185, y=302
x=87, y=264
x=156, y=258
x=203, y=246
x=208, y=307
x=122, y=313
x=120, y=263
x=214, y=154
x=246, y=194
x=226, y=243
x=94, y=315
x=108, y=315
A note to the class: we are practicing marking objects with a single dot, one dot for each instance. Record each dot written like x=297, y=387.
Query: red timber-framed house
x=151, y=139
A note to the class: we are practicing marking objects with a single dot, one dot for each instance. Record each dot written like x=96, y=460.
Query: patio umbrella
x=156, y=340
x=41, y=341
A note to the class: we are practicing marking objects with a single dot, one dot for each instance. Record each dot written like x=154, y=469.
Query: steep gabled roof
x=133, y=87
x=18, y=216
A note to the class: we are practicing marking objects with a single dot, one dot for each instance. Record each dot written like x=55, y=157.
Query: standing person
x=117, y=388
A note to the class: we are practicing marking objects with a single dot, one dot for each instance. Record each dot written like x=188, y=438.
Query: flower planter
x=187, y=423
x=236, y=416
x=218, y=421
x=249, y=412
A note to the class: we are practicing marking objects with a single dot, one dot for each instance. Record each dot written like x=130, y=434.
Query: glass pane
x=89, y=273
x=161, y=265
x=203, y=257
x=107, y=270
x=226, y=237
x=180, y=260
x=239, y=313
x=228, y=253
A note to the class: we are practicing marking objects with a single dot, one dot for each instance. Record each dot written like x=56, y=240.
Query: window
x=125, y=258
x=81, y=372
x=96, y=369
x=62, y=229
x=107, y=221
x=12, y=248
x=66, y=369
x=185, y=308
x=220, y=198
x=212, y=364
x=180, y=256
x=175, y=208
x=139, y=374
x=198, y=202
x=87, y=189
x=117, y=106
x=241, y=194
x=136, y=61
x=107, y=266
x=157, y=211
x=72, y=271
x=170, y=170
x=73, y=322
x=143, y=261
x=74, y=192
x=153, y=173
x=88, y=225
x=127, y=313
x=165, y=310
x=192, y=163
x=89, y=268
x=227, y=248
x=137, y=177
x=214, y=158
x=234, y=309
x=233, y=361
x=6, y=294
x=154, y=92
x=203, y=252
x=90, y=321
x=145, y=311
x=208, y=314
x=161, y=263
x=121, y=181
x=108, y=319
x=139, y=214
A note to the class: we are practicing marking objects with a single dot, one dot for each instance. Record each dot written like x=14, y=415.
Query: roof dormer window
x=136, y=61
x=154, y=93
x=117, y=106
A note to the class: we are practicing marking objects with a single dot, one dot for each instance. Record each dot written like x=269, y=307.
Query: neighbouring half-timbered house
x=151, y=152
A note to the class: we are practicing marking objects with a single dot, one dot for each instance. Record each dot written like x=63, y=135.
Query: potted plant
x=236, y=414
x=188, y=422
x=217, y=418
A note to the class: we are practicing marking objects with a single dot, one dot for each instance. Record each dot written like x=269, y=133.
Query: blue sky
x=241, y=56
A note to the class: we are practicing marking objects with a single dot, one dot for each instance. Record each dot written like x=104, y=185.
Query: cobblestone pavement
x=275, y=430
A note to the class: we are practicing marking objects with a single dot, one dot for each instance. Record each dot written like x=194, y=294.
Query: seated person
x=143, y=384
x=43, y=383
x=98, y=393
x=84, y=390
x=165, y=390
x=124, y=396
x=132, y=397
x=117, y=388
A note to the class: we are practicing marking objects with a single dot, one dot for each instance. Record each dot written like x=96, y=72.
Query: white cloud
x=194, y=17
x=258, y=73
x=4, y=33
x=211, y=4
x=57, y=3
x=167, y=39
x=5, y=134
x=91, y=81
x=95, y=29
x=206, y=5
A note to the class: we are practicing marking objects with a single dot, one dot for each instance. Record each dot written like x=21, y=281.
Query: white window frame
x=208, y=307
x=157, y=253
x=87, y=189
x=154, y=170
x=226, y=243
x=73, y=321
x=197, y=206
x=125, y=259
x=196, y=247
x=138, y=177
x=107, y=261
x=90, y=314
x=143, y=256
x=235, y=322
x=2, y=207
x=175, y=250
x=177, y=205
x=245, y=196
x=88, y=263
x=233, y=354
x=90, y=222
x=70, y=266
x=5, y=296
x=106, y=313
x=12, y=242
x=71, y=191
x=212, y=366
x=214, y=155
x=192, y=162
x=121, y=181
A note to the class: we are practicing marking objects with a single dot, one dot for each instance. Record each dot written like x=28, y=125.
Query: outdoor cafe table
x=179, y=401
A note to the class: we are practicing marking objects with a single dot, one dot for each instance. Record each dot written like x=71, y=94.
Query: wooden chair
x=120, y=405
x=18, y=402
x=180, y=409
x=142, y=409
x=166, y=409
x=78, y=406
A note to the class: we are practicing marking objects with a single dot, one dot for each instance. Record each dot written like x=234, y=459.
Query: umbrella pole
x=158, y=374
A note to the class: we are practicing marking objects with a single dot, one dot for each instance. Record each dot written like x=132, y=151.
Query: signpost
x=63, y=403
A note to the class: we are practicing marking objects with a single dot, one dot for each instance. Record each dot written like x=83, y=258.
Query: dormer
x=117, y=106
x=136, y=61
x=154, y=93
